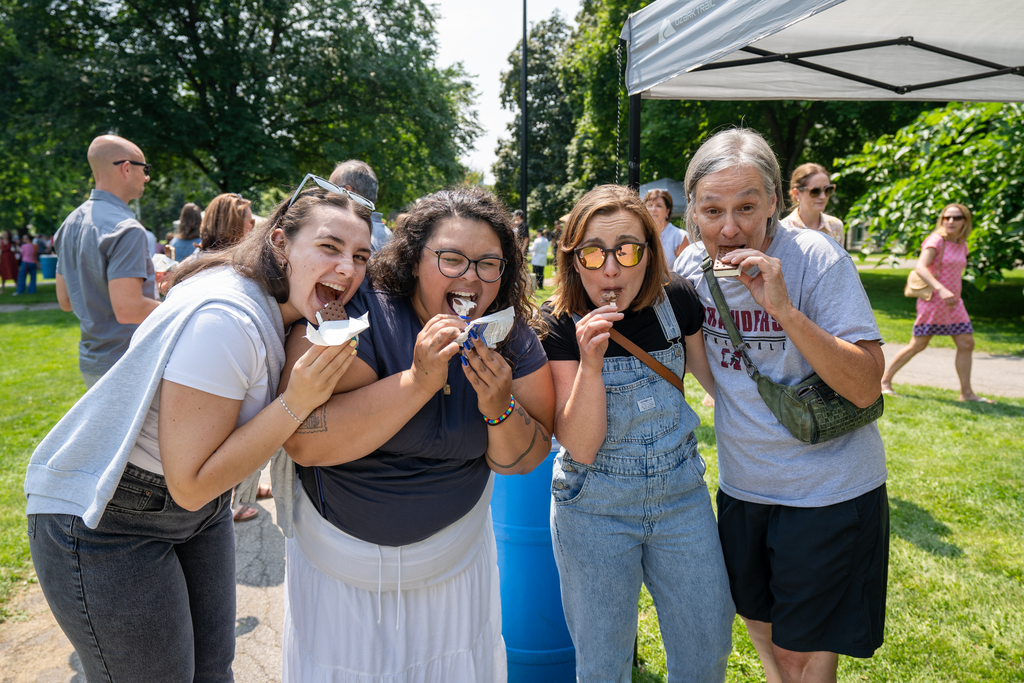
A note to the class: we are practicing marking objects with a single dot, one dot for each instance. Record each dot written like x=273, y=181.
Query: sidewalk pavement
x=34, y=650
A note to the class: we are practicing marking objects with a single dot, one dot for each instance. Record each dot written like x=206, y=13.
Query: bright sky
x=481, y=34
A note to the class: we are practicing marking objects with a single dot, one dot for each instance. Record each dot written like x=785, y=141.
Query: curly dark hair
x=391, y=268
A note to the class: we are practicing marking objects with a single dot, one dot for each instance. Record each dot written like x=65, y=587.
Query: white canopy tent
x=927, y=50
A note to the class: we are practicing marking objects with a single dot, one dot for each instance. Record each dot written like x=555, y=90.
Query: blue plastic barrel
x=532, y=622
x=48, y=264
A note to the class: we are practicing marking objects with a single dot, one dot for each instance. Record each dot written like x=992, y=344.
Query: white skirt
x=356, y=612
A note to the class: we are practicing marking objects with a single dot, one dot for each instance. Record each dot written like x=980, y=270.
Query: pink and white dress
x=935, y=317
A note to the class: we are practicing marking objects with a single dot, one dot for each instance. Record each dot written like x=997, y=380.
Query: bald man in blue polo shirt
x=104, y=270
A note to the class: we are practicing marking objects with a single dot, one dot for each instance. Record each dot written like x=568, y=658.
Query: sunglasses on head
x=330, y=187
x=816, y=191
x=146, y=168
x=627, y=255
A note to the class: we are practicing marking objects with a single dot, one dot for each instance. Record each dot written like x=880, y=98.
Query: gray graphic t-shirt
x=759, y=460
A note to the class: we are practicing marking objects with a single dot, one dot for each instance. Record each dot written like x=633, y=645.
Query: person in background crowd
x=673, y=240
x=522, y=230
x=392, y=571
x=43, y=244
x=539, y=257
x=128, y=506
x=186, y=240
x=809, y=192
x=357, y=176
x=8, y=261
x=804, y=527
x=227, y=219
x=630, y=505
x=29, y=266
x=942, y=263
x=105, y=271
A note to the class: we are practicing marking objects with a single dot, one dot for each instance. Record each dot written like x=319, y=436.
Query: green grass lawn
x=956, y=487
x=955, y=608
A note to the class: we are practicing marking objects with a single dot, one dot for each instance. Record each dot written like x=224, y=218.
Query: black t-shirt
x=640, y=327
x=432, y=472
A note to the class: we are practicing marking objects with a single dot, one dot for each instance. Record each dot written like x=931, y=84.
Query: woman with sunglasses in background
x=129, y=517
x=809, y=191
x=630, y=503
x=392, y=571
x=942, y=263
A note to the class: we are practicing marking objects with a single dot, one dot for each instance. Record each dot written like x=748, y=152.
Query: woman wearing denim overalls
x=630, y=503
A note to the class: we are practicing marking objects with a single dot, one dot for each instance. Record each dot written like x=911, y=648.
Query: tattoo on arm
x=536, y=428
x=316, y=422
x=526, y=415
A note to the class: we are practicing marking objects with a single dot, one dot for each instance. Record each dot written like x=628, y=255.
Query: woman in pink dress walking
x=942, y=263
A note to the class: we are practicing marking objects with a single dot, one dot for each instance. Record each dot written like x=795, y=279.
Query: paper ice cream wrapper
x=336, y=332
x=492, y=329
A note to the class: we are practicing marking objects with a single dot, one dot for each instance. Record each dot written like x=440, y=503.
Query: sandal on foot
x=889, y=392
x=245, y=513
x=977, y=399
x=263, y=492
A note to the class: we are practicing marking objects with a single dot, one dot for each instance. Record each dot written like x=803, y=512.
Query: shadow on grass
x=916, y=526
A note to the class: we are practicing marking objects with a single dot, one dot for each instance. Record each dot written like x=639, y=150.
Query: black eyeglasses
x=816, y=191
x=145, y=167
x=627, y=255
x=330, y=187
x=453, y=264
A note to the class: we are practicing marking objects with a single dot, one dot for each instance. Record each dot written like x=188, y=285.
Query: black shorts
x=818, y=575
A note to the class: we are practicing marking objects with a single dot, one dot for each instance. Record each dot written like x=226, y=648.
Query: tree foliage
x=550, y=124
x=252, y=93
x=972, y=154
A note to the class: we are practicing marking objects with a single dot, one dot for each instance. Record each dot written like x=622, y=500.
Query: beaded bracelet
x=281, y=399
x=504, y=416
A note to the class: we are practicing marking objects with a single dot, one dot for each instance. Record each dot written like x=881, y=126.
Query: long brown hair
x=189, y=222
x=224, y=222
x=257, y=258
x=391, y=268
x=570, y=296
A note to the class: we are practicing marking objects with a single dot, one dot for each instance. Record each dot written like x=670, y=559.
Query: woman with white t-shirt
x=129, y=517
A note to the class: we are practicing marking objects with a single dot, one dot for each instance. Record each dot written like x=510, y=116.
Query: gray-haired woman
x=804, y=527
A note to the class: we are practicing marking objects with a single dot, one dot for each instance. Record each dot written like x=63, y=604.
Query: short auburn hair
x=570, y=296
x=665, y=195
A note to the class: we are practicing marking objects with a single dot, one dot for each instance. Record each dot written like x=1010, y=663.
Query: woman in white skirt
x=391, y=575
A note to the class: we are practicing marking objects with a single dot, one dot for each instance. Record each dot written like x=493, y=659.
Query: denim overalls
x=641, y=513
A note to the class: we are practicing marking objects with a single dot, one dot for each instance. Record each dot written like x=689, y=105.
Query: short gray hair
x=357, y=175
x=728, y=149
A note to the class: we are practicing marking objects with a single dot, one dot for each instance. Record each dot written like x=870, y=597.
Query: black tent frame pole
x=523, y=190
x=634, y=142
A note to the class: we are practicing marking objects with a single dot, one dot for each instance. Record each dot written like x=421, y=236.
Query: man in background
x=357, y=176
x=104, y=270
x=539, y=256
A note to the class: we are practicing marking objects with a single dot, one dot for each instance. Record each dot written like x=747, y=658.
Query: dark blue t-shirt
x=432, y=472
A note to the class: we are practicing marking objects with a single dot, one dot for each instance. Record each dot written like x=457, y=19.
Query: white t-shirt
x=671, y=238
x=759, y=460
x=219, y=352
x=539, y=251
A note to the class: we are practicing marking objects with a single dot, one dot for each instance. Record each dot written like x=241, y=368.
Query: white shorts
x=356, y=612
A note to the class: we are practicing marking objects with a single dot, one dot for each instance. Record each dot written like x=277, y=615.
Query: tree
x=549, y=122
x=255, y=93
x=972, y=154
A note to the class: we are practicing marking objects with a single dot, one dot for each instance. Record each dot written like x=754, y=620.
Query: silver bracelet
x=281, y=399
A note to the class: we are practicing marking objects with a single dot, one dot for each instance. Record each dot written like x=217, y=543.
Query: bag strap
x=648, y=360
x=725, y=315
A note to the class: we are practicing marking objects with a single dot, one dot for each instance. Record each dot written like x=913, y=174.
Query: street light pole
x=523, y=191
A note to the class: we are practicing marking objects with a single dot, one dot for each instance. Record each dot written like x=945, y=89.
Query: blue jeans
x=27, y=269
x=641, y=514
x=149, y=595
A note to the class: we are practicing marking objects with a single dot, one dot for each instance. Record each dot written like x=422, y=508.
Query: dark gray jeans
x=149, y=595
